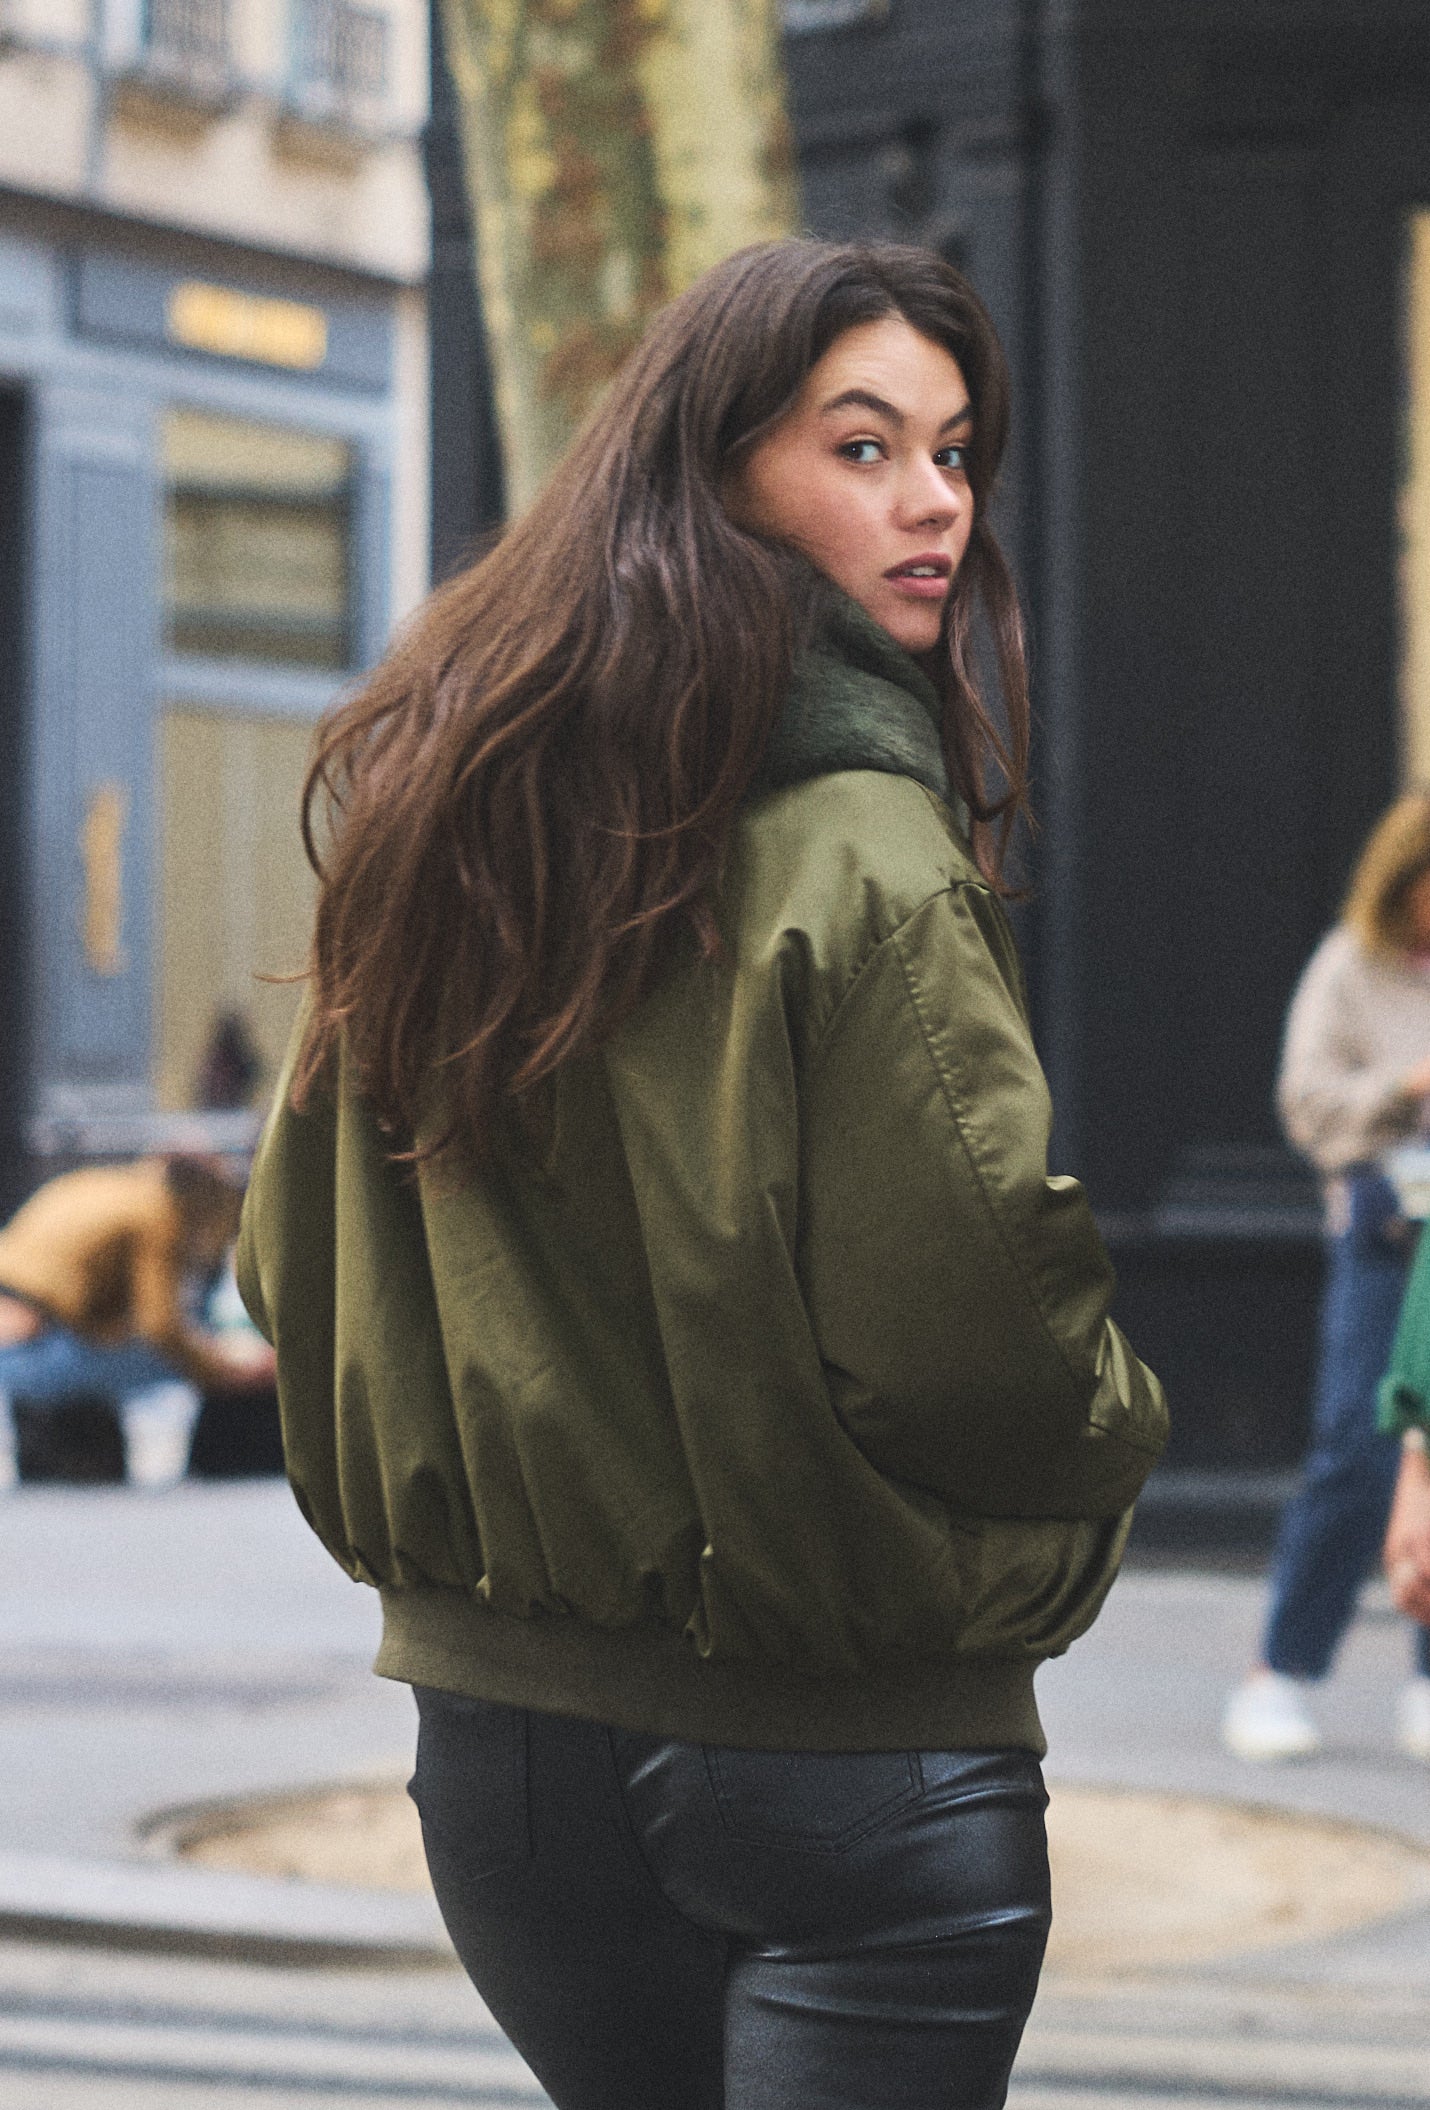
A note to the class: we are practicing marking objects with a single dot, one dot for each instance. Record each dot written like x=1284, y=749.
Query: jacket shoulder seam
x=868, y=959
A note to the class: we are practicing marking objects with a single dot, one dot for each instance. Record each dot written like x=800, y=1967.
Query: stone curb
x=194, y=1911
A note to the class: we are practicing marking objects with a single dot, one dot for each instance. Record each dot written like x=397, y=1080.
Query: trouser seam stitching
x=630, y=1839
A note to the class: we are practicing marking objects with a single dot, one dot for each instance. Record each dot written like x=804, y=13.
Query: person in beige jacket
x=1354, y=1081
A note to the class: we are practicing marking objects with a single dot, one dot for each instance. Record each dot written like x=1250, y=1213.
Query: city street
x=86, y=2030
x=562, y=562
x=167, y=1650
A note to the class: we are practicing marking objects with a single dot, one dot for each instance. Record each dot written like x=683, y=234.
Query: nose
x=926, y=499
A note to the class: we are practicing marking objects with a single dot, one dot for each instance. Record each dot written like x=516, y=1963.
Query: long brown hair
x=526, y=806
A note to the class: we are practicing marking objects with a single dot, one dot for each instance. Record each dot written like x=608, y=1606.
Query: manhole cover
x=1139, y=1880
x=1144, y=1880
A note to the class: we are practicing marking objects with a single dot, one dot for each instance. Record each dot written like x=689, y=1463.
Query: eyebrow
x=865, y=399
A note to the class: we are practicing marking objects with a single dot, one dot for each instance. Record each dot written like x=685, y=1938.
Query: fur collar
x=857, y=701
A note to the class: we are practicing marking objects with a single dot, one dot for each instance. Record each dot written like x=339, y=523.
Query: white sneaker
x=1267, y=1718
x=1412, y=1719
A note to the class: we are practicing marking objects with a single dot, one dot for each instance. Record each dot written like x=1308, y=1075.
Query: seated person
x=95, y=1273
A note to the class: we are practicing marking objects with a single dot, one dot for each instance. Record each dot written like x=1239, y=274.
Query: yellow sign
x=241, y=326
x=101, y=845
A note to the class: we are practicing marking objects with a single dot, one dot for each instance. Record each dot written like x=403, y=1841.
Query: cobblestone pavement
x=1233, y=2042
x=88, y=2029
x=84, y=2029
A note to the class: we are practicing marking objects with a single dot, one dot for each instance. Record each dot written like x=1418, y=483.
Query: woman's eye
x=952, y=458
x=861, y=450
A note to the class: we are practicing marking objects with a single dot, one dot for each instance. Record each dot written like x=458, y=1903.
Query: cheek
x=962, y=535
x=802, y=498
x=836, y=529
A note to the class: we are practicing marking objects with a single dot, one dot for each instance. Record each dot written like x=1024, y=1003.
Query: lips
x=921, y=578
x=932, y=566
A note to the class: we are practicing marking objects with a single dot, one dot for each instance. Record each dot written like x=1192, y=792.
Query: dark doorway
x=14, y=777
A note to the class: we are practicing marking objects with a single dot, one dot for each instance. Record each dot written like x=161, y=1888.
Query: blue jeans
x=1333, y=1527
x=57, y=1365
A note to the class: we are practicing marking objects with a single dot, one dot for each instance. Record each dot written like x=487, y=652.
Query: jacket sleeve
x=286, y=1264
x=959, y=1295
x=1336, y=1106
x=1404, y=1396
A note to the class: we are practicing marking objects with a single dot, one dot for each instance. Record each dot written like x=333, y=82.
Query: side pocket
x=821, y=1801
x=470, y=1786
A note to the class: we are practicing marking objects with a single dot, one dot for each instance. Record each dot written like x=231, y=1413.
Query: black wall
x=1243, y=176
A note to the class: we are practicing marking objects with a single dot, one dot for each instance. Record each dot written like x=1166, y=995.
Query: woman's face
x=865, y=474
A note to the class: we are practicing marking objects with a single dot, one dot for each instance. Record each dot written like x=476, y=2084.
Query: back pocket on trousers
x=822, y=1801
x=470, y=1786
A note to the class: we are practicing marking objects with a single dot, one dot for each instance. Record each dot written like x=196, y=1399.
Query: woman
x=1355, y=1079
x=675, y=1319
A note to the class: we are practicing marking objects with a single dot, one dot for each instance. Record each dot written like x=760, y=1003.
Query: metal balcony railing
x=340, y=57
x=184, y=36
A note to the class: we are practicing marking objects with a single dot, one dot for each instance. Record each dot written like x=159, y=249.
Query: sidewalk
x=160, y=1650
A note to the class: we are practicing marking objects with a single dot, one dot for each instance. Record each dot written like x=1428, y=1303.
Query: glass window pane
x=256, y=541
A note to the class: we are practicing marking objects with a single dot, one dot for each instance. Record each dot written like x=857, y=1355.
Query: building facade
x=1201, y=227
x=214, y=453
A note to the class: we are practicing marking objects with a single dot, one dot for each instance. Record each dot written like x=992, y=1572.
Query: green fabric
x=1405, y=1389
x=647, y=1678
x=857, y=701
x=786, y=1359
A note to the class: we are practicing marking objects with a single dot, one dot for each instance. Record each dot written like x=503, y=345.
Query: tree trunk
x=614, y=150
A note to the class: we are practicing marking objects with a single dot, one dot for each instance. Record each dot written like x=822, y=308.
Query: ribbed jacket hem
x=649, y=1680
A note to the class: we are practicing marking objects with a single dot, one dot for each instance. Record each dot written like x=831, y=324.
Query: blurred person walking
x=1354, y=1081
x=675, y=1317
x=231, y=1067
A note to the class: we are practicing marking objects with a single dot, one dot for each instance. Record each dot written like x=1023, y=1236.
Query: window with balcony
x=340, y=61
x=185, y=40
x=257, y=534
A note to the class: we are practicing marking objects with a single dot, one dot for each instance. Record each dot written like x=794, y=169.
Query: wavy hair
x=1396, y=854
x=524, y=809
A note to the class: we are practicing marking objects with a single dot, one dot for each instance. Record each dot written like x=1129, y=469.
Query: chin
x=917, y=636
x=917, y=628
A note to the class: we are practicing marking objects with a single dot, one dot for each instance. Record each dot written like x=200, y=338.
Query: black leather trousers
x=669, y=1926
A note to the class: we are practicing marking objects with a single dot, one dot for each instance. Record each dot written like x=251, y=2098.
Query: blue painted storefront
x=87, y=372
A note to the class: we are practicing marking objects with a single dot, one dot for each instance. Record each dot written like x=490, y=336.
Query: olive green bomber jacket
x=774, y=1400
